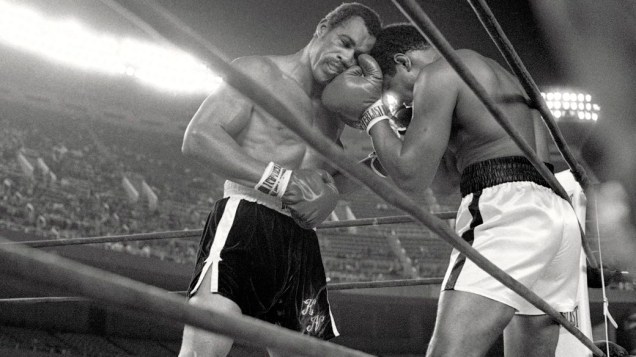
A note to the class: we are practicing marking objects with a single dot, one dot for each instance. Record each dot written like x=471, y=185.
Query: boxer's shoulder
x=258, y=67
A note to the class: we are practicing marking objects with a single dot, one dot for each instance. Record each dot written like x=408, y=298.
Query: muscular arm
x=212, y=134
x=412, y=163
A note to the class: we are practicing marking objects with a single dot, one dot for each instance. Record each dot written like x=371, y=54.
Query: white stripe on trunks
x=220, y=237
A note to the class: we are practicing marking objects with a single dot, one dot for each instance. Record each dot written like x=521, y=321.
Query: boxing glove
x=310, y=195
x=356, y=94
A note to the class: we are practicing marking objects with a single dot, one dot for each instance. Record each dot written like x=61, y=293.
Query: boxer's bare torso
x=238, y=138
x=264, y=137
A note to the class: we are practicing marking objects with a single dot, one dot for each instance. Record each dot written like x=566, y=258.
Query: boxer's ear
x=322, y=28
x=403, y=60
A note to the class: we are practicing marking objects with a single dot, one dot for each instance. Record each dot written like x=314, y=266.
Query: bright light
x=70, y=42
x=572, y=105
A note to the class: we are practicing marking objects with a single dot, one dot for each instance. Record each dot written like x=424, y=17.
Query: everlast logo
x=270, y=185
x=372, y=113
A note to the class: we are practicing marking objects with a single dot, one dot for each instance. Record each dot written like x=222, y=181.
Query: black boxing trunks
x=258, y=257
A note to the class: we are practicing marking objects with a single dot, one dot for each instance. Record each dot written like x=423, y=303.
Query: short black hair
x=348, y=10
x=393, y=39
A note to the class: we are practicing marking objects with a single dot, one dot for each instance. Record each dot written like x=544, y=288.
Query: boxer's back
x=476, y=134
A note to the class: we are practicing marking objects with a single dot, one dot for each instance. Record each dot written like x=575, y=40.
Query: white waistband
x=233, y=189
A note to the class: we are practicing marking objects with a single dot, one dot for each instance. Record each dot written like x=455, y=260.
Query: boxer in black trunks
x=259, y=254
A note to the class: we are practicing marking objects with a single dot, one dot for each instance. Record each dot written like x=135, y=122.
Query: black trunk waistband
x=500, y=170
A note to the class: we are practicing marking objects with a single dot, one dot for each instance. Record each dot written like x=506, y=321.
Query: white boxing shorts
x=510, y=216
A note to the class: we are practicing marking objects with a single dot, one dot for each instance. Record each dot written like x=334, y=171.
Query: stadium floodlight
x=69, y=42
x=571, y=104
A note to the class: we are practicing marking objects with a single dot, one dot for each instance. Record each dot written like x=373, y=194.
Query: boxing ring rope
x=416, y=15
x=382, y=220
x=43, y=300
x=490, y=24
x=269, y=102
x=197, y=232
x=330, y=287
x=108, y=239
x=52, y=270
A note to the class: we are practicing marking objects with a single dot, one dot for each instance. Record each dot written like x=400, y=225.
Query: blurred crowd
x=78, y=191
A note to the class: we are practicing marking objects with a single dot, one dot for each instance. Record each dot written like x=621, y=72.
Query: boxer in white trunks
x=508, y=212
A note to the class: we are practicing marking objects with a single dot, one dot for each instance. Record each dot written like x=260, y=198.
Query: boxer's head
x=401, y=50
x=347, y=31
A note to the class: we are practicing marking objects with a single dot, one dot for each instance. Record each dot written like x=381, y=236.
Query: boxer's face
x=336, y=49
